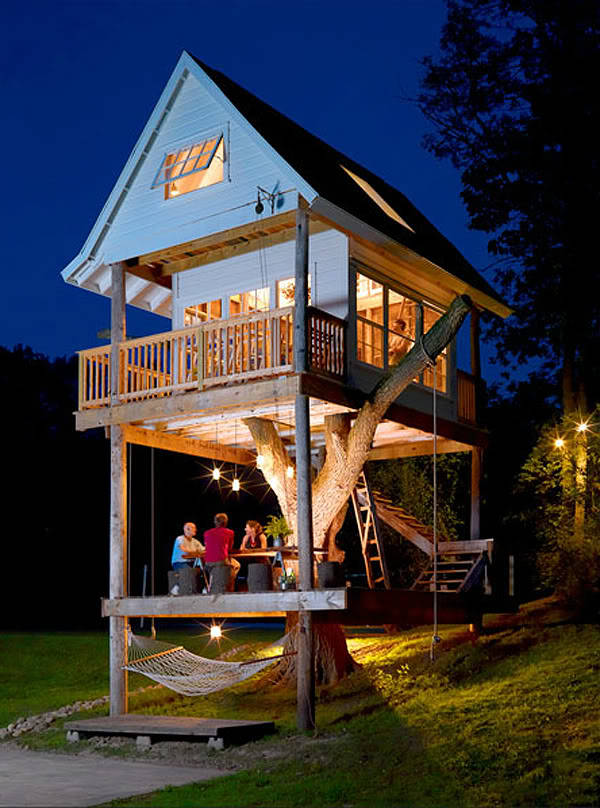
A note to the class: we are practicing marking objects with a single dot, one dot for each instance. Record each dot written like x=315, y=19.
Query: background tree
x=513, y=101
x=559, y=493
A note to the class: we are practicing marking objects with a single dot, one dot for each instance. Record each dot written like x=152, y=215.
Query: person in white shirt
x=185, y=544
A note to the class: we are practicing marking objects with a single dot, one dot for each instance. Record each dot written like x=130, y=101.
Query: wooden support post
x=118, y=506
x=305, y=688
x=117, y=328
x=476, y=464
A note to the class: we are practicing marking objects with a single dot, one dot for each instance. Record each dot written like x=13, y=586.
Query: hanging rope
x=189, y=674
x=435, y=639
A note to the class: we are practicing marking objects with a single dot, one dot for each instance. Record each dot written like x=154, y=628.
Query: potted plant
x=287, y=579
x=276, y=529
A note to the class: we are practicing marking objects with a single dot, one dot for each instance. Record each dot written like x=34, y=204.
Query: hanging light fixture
x=216, y=473
x=259, y=461
x=215, y=632
x=290, y=472
x=235, y=485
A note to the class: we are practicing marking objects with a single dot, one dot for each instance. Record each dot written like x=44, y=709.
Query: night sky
x=81, y=78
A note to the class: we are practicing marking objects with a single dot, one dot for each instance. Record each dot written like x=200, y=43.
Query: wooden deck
x=234, y=604
x=147, y=729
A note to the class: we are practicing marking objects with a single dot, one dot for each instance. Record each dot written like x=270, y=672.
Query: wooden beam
x=150, y=274
x=285, y=220
x=246, y=604
x=337, y=393
x=189, y=446
x=214, y=400
x=419, y=448
x=118, y=569
x=476, y=473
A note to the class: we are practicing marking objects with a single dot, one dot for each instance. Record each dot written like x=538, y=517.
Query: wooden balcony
x=218, y=352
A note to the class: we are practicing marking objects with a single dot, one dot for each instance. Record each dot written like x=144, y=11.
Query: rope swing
x=435, y=639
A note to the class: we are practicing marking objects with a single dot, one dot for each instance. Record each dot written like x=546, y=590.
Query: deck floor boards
x=170, y=727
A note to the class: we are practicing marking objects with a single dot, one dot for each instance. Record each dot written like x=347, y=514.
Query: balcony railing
x=213, y=353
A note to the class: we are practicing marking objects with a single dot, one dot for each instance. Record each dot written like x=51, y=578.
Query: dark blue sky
x=81, y=78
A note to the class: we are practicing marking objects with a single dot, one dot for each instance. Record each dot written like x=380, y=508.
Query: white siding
x=328, y=264
x=147, y=221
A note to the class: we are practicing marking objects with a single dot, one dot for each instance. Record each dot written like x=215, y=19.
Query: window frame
x=167, y=179
x=385, y=328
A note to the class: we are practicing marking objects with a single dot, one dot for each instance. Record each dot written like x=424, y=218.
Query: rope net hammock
x=189, y=674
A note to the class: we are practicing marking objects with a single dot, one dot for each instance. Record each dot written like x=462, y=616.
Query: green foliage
x=512, y=100
x=276, y=526
x=562, y=507
x=409, y=483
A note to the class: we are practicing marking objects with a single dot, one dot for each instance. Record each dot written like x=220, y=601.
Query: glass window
x=431, y=316
x=387, y=326
x=286, y=290
x=192, y=167
x=369, y=325
x=402, y=326
x=247, y=302
x=194, y=315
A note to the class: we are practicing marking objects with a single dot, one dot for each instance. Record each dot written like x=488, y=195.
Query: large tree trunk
x=347, y=448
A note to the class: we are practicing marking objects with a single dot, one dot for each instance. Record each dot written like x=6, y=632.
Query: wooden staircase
x=459, y=568
x=370, y=538
x=460, y=564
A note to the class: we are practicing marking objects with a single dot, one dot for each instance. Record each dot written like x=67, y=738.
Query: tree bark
x=347, y=448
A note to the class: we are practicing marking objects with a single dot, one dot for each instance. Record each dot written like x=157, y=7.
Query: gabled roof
x=330, y=172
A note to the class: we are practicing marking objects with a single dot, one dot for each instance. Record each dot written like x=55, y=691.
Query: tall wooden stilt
x=305, y=710
x=118, y=505
x=476, y=464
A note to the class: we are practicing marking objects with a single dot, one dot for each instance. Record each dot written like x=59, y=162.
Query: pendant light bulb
x=216, y=473
x=235, y=484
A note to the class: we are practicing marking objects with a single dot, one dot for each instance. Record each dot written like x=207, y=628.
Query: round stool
x=219, y=579
x=330, y=575
x=260, y=578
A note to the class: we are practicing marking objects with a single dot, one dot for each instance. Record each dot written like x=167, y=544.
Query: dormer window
x=194, y=166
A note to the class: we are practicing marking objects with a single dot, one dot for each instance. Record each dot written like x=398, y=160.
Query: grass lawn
x=508, y=720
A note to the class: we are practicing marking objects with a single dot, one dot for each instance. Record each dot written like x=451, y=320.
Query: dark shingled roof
x=320, y=165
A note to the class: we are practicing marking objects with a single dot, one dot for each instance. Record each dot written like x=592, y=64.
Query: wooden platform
x=233, y=604
x=148, y=729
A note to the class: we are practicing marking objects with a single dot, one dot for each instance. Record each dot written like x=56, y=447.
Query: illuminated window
x=430, y=316
x=369, y=321
x=387, y=326
x=286, y=290
x=194, y=166
x=247, y=302
x=194, y=315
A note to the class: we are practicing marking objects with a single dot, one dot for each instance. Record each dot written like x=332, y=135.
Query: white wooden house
x=201, y=228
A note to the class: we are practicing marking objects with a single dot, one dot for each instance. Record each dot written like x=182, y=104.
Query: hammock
x=187, y=673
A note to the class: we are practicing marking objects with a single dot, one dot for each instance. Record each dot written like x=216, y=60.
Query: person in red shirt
x=219, y=542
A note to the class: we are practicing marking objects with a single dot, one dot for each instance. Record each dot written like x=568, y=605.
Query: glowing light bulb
x=215, y=632
x=259, y=460
x=559, y=443
x=583, y=427
x=235, y=485
x=174, y=189
x=216, y=473
x=290, y=471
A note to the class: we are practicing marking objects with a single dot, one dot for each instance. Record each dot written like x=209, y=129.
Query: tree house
x=288, y=273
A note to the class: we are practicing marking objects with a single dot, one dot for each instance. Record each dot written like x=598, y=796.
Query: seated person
x=219, y=543
x=254, y=538
x=399, y=344
x=185, y=544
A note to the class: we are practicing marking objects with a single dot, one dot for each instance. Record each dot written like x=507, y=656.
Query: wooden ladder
x=370, y=537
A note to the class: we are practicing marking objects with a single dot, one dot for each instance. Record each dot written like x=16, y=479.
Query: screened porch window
x=197, y=165
x=286, y=290
x=248, y=302
x=202, y=312
x=387, y=325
